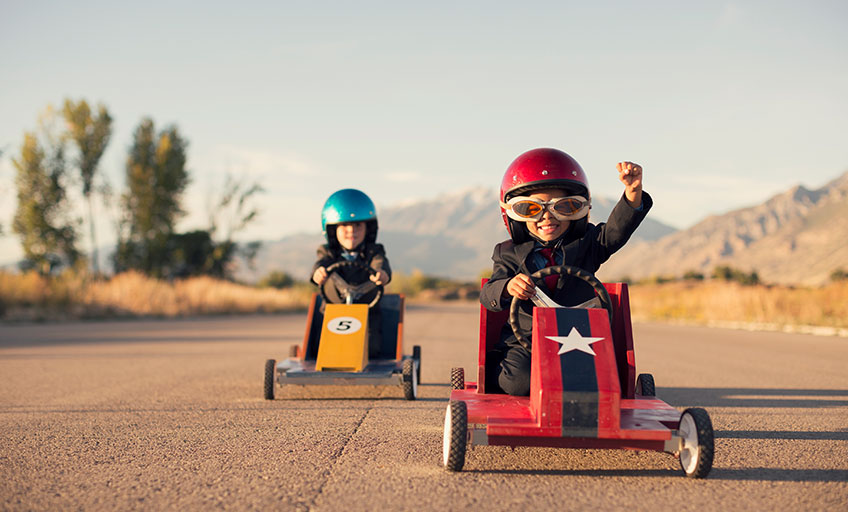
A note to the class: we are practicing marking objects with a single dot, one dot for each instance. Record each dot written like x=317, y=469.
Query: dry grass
x=33, y=297
x=718, y=302
x=69, y=296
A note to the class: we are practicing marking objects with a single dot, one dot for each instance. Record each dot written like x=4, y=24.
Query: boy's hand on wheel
x=319, y=276
x=381, y=277
x=521, y=286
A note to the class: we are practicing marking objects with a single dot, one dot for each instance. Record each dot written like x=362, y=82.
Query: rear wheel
x=270, y=368
x=645, y=385
x=455, y=436
x=696, y=454
x=458, y=378
x=416, y=354
x=410, y=380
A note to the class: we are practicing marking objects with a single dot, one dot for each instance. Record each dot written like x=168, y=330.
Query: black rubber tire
x=410, y=380
x=416, y=354
x=270, y=369
x=700, y=465
x=455, y=438
x=293, y=351
x=458, y=378
x=645, y=385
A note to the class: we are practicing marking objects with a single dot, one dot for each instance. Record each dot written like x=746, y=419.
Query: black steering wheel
x=348, y=292
x=560, y=270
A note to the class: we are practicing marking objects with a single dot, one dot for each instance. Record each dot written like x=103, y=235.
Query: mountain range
x=451, y=236
x=796, y=237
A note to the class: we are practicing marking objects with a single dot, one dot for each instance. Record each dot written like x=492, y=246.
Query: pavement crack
x=337, y=457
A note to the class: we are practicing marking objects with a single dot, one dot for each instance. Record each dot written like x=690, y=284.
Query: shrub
x=417, y=282
x=727, y=273
x=276, y=279
x=839, y=274
x=655, y=279
x=693, y=275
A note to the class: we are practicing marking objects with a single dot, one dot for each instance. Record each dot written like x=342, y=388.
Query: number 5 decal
x=344, y=325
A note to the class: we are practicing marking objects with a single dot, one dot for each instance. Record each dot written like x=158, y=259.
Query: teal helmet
x=348, y=205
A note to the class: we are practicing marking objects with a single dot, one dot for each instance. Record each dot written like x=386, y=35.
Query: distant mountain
x=797, y=237
x=450, y=236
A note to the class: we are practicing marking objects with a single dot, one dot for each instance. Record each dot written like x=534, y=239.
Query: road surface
x=169, y=415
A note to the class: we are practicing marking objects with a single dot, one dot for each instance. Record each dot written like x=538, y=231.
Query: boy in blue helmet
x=545, y=204
x=349, y=222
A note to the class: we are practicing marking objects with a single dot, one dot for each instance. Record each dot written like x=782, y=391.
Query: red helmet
x=539, y=169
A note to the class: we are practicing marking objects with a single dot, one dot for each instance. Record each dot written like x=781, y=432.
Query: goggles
x=526, y=209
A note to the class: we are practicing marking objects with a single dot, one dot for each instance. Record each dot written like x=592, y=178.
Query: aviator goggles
x=526, y=209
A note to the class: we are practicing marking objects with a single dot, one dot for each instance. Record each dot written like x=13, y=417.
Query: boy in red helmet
x=545, y=204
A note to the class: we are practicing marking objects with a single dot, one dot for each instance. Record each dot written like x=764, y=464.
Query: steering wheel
x=560, y=270
x=347, y=291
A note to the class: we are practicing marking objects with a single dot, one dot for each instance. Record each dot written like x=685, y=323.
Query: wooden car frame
x=615, y=410
x=333, y=353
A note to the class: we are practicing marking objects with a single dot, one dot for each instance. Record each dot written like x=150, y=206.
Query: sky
x=724, y=103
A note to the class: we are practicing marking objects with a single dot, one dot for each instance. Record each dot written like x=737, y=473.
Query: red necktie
x=550, y=281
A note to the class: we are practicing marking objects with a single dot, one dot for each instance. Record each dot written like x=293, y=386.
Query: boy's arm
x=625, y=217
x=493, y=296
x=622, y=223
x=379, y=262
x=324, y=259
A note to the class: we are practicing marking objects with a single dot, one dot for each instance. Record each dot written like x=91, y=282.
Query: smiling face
x=548, y=228
x=350, y=234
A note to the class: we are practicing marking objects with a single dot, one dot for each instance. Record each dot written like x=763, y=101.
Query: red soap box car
x=584, y=389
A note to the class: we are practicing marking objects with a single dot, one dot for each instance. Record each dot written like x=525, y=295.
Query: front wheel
x=416, y=355
x=645, y=385
x=696, y=454
x=455, y=439
x=410, y=380
x=270, y=368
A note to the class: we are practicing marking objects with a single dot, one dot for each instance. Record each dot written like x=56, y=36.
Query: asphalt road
x=169, y=415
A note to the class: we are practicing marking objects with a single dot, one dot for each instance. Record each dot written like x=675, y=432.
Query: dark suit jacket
x=587, y=252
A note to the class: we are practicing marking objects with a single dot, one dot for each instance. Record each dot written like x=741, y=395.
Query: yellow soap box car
x=335, y=345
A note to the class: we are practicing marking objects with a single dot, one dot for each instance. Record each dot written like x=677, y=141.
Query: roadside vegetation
x=731, y=296
x=161, y=272
x=59, y=182
x=716, y=302
x=71, y=295
x=33, y=297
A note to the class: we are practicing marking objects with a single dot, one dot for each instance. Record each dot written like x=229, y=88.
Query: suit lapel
x=569, y=253
x=521, y=253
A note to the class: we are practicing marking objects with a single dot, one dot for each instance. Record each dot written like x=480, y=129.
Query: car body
x=584, y=392
x=333, y=353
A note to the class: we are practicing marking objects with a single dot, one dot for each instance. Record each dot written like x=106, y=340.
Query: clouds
x=263, y=162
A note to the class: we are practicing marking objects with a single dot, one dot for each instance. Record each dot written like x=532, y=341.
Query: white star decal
x=574, y=341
